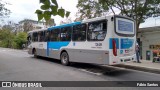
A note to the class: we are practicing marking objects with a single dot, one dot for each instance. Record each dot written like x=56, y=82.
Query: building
x=149, y=42
x=28, y=25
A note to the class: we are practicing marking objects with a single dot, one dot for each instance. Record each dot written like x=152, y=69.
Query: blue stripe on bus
x=56, y=45
x=126, y=43
x=65, y=25
x=111, y=45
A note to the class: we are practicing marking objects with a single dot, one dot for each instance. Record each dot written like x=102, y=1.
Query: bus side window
x=52, y=36
x=41, y=36
x=47, y=38
x=79, y=33
x=29, y=39
x=97, y=30
x=55, y=35
x=66, y=33
x=35, y=37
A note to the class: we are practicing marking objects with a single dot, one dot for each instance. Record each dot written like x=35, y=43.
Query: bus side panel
x=54, y=49
x=41, y=48
x=89, y=56
x=54, y=54
x=41, y=52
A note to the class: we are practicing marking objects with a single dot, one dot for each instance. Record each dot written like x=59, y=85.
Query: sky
x=25, y=9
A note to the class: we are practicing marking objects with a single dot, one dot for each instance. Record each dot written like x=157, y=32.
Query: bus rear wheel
x=65, y=58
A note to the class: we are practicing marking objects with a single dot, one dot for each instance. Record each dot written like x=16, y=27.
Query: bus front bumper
x=127, y=58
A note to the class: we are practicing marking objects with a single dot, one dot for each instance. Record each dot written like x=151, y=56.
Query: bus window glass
x=66, y=34
x=79, y=33
x=29, y=39
x=55, y=35
x=35, y=37
x=97, y=30
x=47, y=33
x=41, y=36
x=124, y=26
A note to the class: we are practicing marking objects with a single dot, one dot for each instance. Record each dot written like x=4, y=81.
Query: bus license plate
x=125, y=60
x=126, y=51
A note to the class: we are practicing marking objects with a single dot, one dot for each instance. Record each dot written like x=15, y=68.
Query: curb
x=145, y=69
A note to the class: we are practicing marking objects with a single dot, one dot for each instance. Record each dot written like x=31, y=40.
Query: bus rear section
x=122, y=41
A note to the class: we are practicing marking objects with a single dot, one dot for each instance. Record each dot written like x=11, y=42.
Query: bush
x=10, y=40
x=6, y=38
x=19, y=40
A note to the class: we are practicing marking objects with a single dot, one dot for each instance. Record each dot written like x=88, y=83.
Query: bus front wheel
x=35, y=53
x=65, y=58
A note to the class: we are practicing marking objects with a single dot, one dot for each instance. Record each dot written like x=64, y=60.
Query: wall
x=147, y=39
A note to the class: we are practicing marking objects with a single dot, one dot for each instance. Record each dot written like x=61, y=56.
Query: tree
x=27, y=26
x=66, y=21
x=6, y=38
x=90, y=9
x=49, y=8
x=3, y=10
x=7, y=27
x=139, y=10
x=50, y=22
x=20, y=39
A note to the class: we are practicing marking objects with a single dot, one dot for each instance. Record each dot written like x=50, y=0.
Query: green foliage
x=20, y=39
x=90, y=9
x=10, y=40
x=49, y=8
x=54, y=10
x=45, y=7
x=47, y=15
x=67, y=14
x=50, y=22
x=61, y=12
x=6, y=38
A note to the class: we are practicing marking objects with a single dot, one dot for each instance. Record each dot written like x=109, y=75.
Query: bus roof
x=93, y=19
x=64, y=25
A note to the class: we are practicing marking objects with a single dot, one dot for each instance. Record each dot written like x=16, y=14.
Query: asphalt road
x=17, y=65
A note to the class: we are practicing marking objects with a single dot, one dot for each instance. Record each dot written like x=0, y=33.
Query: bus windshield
x=124, y=26
x=29, y=39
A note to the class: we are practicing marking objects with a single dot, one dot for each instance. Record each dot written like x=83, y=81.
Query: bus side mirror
x=112, y=18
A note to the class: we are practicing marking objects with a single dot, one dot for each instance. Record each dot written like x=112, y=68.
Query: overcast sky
x=25, y=9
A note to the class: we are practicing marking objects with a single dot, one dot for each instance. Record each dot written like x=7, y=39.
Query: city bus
x=106, y=40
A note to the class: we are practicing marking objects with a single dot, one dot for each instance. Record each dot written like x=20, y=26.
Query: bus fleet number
x=98, y=44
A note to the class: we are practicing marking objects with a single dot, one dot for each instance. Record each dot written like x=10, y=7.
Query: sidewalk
x=147, y=66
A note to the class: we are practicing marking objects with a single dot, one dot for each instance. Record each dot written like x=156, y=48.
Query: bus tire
x=65, y=58
x=35, y=53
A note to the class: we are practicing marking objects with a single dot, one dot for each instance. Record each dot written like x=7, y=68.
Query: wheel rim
x=64, y=58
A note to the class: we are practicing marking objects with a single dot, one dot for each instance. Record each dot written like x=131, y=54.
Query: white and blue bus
x=105, y=40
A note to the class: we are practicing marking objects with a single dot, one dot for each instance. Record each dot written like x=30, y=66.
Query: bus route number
x=98, y=44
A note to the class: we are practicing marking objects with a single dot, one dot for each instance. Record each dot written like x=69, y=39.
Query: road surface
x=17, y=65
